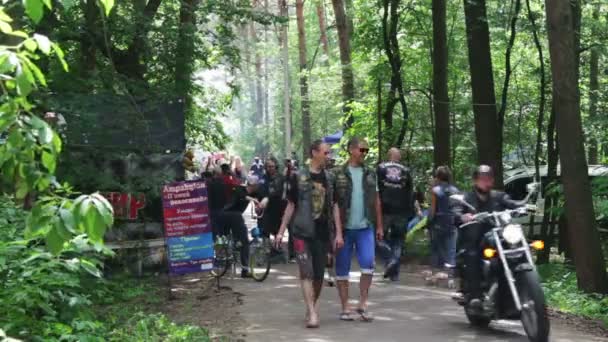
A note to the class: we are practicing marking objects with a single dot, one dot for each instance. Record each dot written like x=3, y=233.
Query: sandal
x=347, y=316
x=365, y=315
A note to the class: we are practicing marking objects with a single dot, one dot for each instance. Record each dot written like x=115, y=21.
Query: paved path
x=274, y=311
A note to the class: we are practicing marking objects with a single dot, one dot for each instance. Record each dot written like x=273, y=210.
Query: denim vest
x=344, y=190
x=444, y=217
x=303, y=222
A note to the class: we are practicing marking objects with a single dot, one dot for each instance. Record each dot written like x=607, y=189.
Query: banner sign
x=187, y=227
x=126, y=205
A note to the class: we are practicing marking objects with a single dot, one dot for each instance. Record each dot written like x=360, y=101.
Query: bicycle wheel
x=221, y=260
x=259, y=260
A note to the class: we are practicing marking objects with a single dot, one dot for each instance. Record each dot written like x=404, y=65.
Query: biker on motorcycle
x=483, y=199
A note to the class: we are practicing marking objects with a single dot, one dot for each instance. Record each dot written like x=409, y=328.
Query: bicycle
x=227, y=254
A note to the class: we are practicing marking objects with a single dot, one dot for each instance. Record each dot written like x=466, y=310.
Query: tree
x=306, y=129
x=284, y=13
x=584, y=240
x=487, y=130
x=185, y=50
x=348, y=77
x=594, y=88
x=259, y=89
x=390, y=21
x=440, y=85
x=323, y=27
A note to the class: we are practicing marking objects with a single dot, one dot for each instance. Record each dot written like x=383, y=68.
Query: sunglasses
x=364, y=150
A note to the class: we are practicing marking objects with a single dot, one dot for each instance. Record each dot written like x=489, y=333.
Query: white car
x=516, y=185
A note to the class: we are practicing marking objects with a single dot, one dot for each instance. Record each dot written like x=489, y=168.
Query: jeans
x=232, y=221
x=363, y=241
x=391, y=249
x=470, y=239
x=443, y=246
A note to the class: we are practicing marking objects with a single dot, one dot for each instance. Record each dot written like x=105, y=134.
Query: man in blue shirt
x=359, y=202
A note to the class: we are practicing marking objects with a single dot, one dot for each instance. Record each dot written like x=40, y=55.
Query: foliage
x=44, y=293
x=560, y=285
x=157, y=328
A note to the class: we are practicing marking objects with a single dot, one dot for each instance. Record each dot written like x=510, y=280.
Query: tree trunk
x=546, y=228
x=266, y=81
x=306, y=130
x=284, y=12
x=184, y=59
x=390, y=24
x=249, y=80
x=487, y=130
x=508, y=72
x=440, y=85
x=585, y=242
x=350, y=14
x=348, y=78
x=88, y=48
x=593, y=91
x=323, y=28
x=379, y=115
x=259, y=92
x=542, y=91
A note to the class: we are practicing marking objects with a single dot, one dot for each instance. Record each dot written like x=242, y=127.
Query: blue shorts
x=364, y=242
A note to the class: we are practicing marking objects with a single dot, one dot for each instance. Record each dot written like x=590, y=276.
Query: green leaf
x=60, y=56
x=107, y=6
x=54, y=241
x=22, y=190
x=56, y=143
x=49, y=161
x=5, y=27
x=43, y=183
x=90, y=268
x=96, y=227
x=68, y=220
x=4, y=17
x=48, y=4
x=104, y=208
x=45, y=134
x=30, y=44
x=43, y=43
x=20, y=34
x=24, y=86
x=37, y=72
x=34, y=9
x=57, y=225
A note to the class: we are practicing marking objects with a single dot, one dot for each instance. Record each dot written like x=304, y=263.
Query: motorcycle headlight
x=513, y=233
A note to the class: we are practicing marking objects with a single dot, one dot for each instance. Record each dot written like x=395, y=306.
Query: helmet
x=483, y=170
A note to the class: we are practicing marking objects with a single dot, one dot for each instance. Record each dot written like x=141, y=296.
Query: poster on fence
x=187, y=227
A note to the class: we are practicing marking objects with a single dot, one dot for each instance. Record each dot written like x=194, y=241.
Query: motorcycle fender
x=525, y=267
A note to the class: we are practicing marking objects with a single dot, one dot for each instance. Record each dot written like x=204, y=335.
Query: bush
x=561, y=290
x=44, y=296
x=155, y=328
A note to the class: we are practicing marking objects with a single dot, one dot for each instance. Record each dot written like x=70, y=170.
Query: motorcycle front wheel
x=534, y=315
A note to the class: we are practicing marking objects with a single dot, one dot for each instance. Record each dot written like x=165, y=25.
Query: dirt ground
x=195, y=299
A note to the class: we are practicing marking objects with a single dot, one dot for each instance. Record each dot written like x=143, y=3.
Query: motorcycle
x=511, y=285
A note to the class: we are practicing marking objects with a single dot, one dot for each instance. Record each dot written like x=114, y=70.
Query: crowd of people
x=334, y=212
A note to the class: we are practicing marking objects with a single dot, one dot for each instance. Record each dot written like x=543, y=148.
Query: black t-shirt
x=240, y=202
x=216, y=192
x=319, y=199
x=273, y=189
